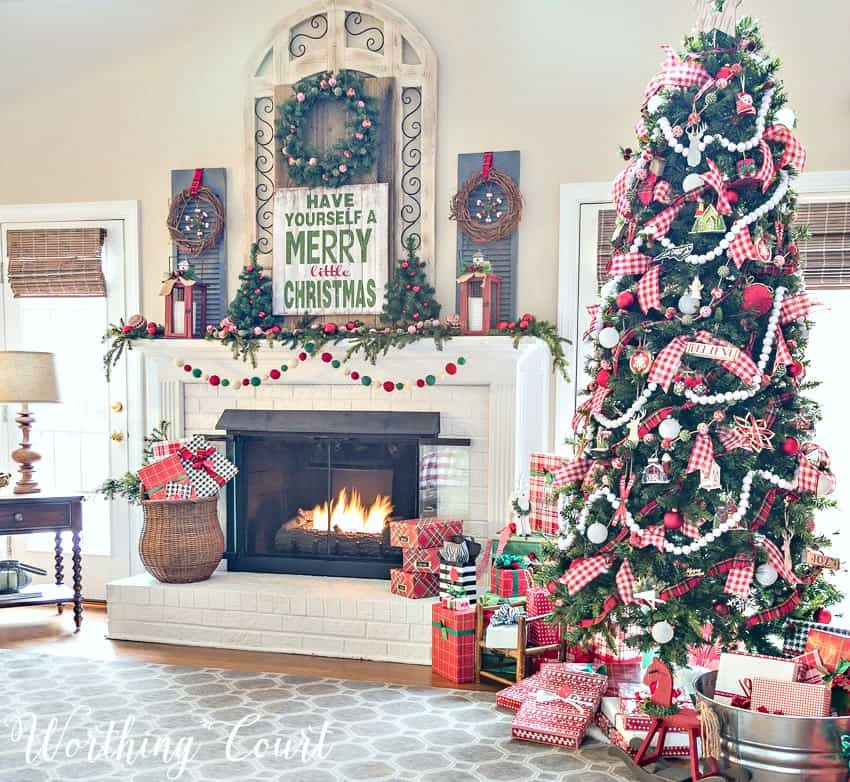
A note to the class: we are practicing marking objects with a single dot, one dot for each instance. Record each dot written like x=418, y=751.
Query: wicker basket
x=181, y=540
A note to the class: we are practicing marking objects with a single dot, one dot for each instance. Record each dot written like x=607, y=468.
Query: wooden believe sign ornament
x=717, y=352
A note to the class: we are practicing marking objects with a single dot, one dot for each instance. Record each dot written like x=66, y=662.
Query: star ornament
x=755, y=433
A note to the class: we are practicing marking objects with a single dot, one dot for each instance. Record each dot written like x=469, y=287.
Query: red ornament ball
x=404, y=264
x=302, y=356
x=757, y=298
x=732, y=197
x=552, y=587
x=796, y=369
x=187, y=367
x=502, y=325
x=351, y=325
x=355, y=375
x=215, y=380
x=126, y=329
x=791, y=447
x=625, y=300
x=823, y=616
x=721, y=609
x=523, y=324
x=389, y=386
x=327, y=358
x=246, y=381
x=673, y=519
x=602, y=377
x=330, y=328
x=451, y=368
x=152, y=329
x=420, y=383
x=512, y=528
x=274, y=374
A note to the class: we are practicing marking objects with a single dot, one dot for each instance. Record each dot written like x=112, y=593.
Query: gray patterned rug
x=204, y=724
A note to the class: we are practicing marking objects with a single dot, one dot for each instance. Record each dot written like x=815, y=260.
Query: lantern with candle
x=479, y=296
x=185, y=305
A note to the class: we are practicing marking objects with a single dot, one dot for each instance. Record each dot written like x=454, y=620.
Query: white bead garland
x=741, y=146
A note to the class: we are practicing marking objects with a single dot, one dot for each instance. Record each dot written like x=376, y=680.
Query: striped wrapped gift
x=458, y=581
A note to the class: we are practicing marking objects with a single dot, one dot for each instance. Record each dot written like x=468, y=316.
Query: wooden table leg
x=58, y=566
x=77, y=570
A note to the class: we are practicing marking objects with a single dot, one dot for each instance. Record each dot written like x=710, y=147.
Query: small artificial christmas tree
x=251, y=307
x=409, y=297
x=690, y=503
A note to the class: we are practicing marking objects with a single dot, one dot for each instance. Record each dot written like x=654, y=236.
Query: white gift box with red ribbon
x=737, y=670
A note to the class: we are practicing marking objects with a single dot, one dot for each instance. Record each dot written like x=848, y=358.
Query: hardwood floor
x=40, y=630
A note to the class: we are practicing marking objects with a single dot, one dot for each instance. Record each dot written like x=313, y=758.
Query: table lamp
x=27, y=377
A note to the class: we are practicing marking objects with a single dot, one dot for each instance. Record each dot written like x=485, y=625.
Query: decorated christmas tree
x=409, y=296
x=688, y=508
x=251, y=307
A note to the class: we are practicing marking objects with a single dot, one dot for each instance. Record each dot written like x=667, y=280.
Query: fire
x=350, y=514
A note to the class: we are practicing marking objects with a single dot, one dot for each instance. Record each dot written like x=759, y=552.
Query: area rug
x=77, y=719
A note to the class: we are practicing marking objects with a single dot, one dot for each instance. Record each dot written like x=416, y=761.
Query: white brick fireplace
x=499, y=399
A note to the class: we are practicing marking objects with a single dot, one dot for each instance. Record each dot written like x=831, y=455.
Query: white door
x=75, y=437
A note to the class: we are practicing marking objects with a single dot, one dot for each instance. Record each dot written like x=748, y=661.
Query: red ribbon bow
x=743, y=701
x=201, y=460
x=487, y=165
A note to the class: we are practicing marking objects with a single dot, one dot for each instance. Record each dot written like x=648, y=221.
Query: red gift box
x=559, y=723
x=423, y=533
x=810, y=667
x=427, y=559
x=166, y=447
x=581, y=677
x=544, y=516
x=833, y=647
x=793, y=699
x=510, y=582
x=157, y=475
x=622, y=662
x=415, y=585
x=538, y=602
x=453, y=643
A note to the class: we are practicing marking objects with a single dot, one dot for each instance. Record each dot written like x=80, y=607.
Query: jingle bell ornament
x=757, y=299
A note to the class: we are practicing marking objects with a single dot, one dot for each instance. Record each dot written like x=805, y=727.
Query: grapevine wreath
x=196, y=217
x=335, y=166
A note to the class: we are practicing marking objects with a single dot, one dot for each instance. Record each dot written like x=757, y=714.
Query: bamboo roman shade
x=606, y=223
x=56, y=262
x=827, y=252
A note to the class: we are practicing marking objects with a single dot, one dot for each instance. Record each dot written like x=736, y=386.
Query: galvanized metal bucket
x=775, y=748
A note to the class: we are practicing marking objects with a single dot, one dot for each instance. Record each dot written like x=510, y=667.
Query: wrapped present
x=622, y=662
x=797, y=633
x=180, y=490
x=459, y=550
x=810, y=667
x=453, y=643
x=510, y=581
x=458, y=581
x=166, y=447
x=530, y=546
x=544, y=516
x=415, y=585
x=583, y=678
x=157, y=475
x=503, y=630
x=492, y=599
x=421, y=559
x=423, y=533
x=560, y=719
x=793, y=699
x=737, y=670
x=207, y=469
x=538, y=602
x=455, y=603
x=631, y=698
x=610, y=721
x=832, y=646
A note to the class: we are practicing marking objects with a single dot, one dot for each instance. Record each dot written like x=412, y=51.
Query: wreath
x=335, y=166
x=196, y=217
x=494, y=216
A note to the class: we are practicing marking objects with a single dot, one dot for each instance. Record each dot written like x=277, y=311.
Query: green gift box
x=520, y=545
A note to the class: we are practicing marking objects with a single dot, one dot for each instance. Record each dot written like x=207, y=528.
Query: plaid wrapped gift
x=421, y=559
x=833, y=647
x=544, y=516
x=180, y=490
x=415, y=585
x=510, y=582
x=207, y=469
x=810, y=667
x=157, y=475
x=797, y=633
x=458, y=581
x=561, y=723
x=631, y=697
x=622, y=662
x=538, y=602
x=793, y=699
x=737, y=671
x=166, y=447
x=453, y=644
x=423, y=533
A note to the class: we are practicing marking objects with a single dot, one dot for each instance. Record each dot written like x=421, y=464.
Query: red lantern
x=185, y=309
x=479, y=301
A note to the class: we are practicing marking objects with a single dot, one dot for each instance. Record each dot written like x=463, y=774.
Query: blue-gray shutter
x=503, y=253
x=211, y=265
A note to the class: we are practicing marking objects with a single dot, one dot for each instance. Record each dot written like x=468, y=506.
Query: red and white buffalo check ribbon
x=794, y=153
x=741, y=248
x=593, y=312
x=740, y=577
x=666, y=363
x=591, y=405
x=776, y=560
x=627, y=264
x=649, y=290
x=796, y=307
x=626, y=485
x=675, y=73
x=625, y=581
x=767, y=170
x=663, y=192
x=702, y=454
x=649, y=536
x=584, y=570
x=783, y=354
x=714, y=178
x=808, y=475
x=573, y=470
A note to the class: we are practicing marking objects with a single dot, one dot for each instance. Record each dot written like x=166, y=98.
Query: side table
x=32, y=513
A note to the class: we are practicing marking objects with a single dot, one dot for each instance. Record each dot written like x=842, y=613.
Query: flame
x=351, y=515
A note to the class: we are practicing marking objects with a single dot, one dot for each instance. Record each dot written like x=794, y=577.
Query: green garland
x=333, y=167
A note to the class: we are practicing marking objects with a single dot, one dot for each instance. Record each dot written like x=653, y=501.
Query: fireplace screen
x=311, y=503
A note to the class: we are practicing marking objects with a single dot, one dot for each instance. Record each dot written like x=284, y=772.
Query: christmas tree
x=409, y=296
x=251, y=307
x=689, y=504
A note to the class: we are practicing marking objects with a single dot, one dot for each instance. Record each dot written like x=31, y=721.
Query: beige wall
x=100, y=99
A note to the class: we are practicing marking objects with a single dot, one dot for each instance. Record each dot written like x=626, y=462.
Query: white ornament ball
x=608, y=289
x=662, y=632
x=688, y=305
x=669, y=429
x=766, y=574
x=785, y=116
x=692, y=182
x=654, y=103
x=826, y=484
x=609, y=337
x=597, y=533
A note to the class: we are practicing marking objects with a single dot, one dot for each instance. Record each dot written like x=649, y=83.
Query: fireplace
x=316, y=490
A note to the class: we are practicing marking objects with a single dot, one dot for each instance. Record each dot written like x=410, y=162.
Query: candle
x=476, y=313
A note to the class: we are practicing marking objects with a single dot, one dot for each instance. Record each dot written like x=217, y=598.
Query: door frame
x=128, y=212
x=817, y=185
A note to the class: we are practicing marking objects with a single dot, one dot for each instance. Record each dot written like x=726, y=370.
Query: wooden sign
x=330, y=250
x=717, y=352
x=819, y=559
